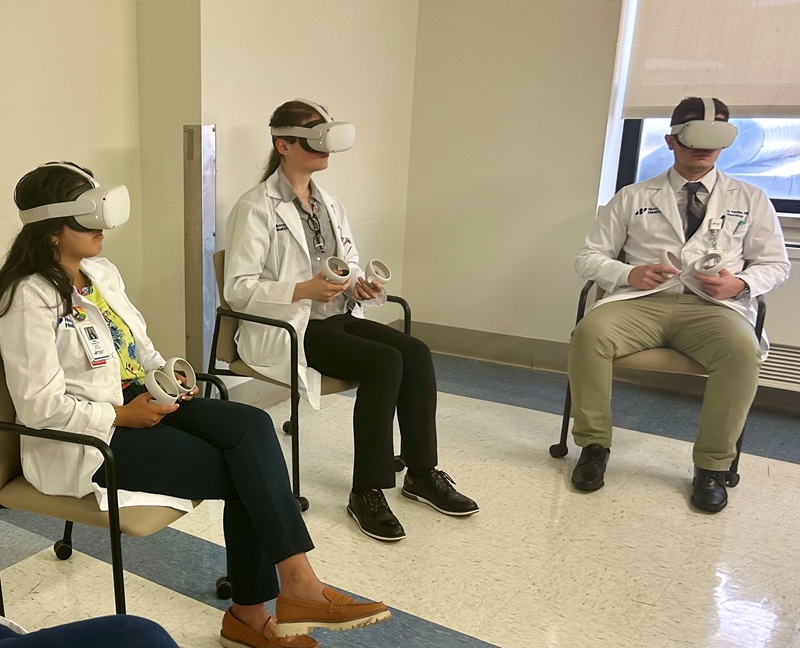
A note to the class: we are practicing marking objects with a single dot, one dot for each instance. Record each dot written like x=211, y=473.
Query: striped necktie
x=695, y=210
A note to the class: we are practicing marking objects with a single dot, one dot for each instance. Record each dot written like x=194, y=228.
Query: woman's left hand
x=364, y=291
x=185, y=397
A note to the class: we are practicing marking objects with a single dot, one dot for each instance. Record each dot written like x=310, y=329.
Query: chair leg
x=115, y=537
x=2, y=607
x=560, y=449
x=294, y=427
x=733, y=477
x=63, y=547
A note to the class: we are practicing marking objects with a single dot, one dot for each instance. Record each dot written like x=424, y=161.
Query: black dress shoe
x=708, y=489
x=435, y=489
x=591, y=466
x=374, y=517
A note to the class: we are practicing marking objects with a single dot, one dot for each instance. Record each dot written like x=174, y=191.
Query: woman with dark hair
x=280, y=236
x=54, y=288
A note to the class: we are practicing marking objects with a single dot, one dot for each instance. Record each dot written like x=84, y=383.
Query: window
x=766, y=154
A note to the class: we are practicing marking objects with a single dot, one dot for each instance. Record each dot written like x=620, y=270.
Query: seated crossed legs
x=715, y=336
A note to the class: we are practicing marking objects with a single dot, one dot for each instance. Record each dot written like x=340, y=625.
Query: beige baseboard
x=547, y=355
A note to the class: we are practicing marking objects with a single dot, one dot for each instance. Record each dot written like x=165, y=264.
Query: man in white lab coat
x=681, y=257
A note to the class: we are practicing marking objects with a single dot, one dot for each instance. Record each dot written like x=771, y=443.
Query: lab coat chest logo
x=646, y=210
x=281, y=227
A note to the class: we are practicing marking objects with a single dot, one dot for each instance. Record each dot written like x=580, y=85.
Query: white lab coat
x=642, y=220
x=52, y=384
x=267, y=256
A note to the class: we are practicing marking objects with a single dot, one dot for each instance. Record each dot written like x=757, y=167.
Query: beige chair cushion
x=329, y=385
x=662, y=360
x=137, y=521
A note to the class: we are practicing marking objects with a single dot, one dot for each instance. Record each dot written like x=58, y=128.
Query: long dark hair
x=33, y=250
x=292, y=113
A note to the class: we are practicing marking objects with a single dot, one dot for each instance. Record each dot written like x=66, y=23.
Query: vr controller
x=708, y=265
x=164, y=386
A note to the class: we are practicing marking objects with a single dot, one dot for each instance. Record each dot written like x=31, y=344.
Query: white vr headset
x=97, y=208
x=705, y=133
x=323, y=136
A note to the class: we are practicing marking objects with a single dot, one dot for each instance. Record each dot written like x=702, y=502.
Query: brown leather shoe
x=298, y=617
x=236, y=634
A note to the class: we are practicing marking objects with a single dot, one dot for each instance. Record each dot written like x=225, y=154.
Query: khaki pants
x=715, y=336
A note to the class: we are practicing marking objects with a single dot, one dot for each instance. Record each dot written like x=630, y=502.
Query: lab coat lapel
x=289, y=215
x=664, y=199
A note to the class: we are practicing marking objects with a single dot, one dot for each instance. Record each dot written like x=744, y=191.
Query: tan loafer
x=236, y=634
x=340, y=612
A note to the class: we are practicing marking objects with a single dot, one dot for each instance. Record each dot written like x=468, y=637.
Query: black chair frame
x=292, y=426
x=63, y=547
x=560, y=449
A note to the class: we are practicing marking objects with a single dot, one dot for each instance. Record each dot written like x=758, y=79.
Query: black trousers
x=212, y=449
x=394, y=372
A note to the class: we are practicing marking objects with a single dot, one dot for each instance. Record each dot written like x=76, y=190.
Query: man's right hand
x=650, y=276
x=141, y=413
x=319, y=289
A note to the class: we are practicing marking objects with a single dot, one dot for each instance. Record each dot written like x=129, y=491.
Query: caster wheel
x=557, y=451
x=63, y=549
x=302, y=503
x=287, y=427
x=399, y=464
x=224, y=590
x=733, y=480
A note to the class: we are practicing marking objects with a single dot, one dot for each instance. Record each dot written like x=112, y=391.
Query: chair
x=223, y=348
x=663, y=360
x=16, y=493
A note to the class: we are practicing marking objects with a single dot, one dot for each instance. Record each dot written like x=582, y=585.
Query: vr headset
x=321, y=136
x=705, y=133
x=91, y=209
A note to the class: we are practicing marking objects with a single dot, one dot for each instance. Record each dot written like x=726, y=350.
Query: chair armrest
x=216, y=381
x=760, y=315
x=294, y=352
x=109, y=464
x=406, y=311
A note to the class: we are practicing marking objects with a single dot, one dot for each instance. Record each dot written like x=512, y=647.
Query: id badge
x=93, y=345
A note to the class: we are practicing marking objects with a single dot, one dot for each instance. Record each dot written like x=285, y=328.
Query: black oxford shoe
x=374, y=517
x=708, y=489
x=591, y=466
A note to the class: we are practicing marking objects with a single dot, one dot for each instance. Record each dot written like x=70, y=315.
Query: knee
x=741, y=353
x=386, y=361
x=148, y=633
x=416, y=351
x=588, y=335
x=252, y=421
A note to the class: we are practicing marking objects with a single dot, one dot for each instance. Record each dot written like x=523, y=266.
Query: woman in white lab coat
x=280, y=235
x=54, y=292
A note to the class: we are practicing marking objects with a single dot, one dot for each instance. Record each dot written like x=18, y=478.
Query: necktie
x=695, y=210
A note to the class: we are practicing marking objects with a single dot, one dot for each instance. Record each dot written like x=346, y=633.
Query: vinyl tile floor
x=541, y=565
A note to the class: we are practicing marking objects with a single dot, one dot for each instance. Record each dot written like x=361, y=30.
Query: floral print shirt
x=130, y=370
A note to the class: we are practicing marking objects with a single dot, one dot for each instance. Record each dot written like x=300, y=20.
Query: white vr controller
x=337, y=271
x=164, y=386
x=708, y=265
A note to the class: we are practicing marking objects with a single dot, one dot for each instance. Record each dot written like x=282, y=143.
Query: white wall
x=509, y=118
x=168, y=36
x=354, y=56
x=70, y=93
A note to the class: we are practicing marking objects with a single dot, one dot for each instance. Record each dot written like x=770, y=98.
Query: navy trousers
x=213, y=449
x=120, y=631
